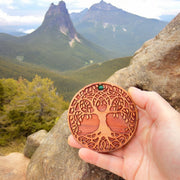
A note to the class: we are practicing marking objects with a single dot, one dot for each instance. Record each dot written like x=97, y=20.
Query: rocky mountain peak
x=57, y=9
x=102, y=5
x=62, y=4
x=57, y=19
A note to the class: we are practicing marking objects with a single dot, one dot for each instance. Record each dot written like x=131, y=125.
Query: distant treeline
x=67, y=83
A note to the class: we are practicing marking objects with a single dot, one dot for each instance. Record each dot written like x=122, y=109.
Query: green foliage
x=100, y=71
x=9, y=88
x=1, y=97
x=51, y=50
x=67, y=83
x=33, y=106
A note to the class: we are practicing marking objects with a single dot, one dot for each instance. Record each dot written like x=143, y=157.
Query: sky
x=31, y=12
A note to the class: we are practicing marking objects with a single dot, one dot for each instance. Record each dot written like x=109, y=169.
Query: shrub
x=32, y=106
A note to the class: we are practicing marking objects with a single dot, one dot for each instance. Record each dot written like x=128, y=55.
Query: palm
x=137, y=155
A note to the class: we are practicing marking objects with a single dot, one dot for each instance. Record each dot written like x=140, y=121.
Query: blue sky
x=31, y=12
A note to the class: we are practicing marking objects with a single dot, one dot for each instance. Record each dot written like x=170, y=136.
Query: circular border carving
x=102, y=117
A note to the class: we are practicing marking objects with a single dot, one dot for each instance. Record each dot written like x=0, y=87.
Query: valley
x=67, y=83
x=55, y=44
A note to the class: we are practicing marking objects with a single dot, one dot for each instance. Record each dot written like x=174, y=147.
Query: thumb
x=152, y=103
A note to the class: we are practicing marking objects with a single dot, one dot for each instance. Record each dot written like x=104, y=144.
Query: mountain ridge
x=115, y=29
x=55, y=44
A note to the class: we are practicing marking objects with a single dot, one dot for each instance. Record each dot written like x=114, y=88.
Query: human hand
x=154, y=151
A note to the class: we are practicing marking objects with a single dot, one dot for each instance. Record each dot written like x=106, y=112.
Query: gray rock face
x=156, y=65
x=57, y=19
x=33, y=142
x=56, y=160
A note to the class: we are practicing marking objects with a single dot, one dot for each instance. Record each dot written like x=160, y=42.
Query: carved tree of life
x=102, y=119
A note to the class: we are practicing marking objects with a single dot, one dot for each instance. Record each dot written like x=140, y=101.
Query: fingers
x=105, y=161
x=151, y=102
x=112, y=162
x=144, y=98
x=72, y=142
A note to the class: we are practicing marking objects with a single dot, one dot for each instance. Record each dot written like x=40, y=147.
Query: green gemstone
x=101, y=87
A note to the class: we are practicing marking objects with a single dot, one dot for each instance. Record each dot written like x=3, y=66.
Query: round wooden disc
x=102, y=117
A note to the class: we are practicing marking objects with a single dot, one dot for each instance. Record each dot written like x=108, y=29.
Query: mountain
x=55, y=44
x=114, y=28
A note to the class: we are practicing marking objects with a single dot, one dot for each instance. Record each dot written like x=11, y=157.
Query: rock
x=156, y=65
x=56, y=160
x=33, y=142
x=13, y=167
x=57, y=19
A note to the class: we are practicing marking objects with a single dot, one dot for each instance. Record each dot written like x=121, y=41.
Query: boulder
x=33, y=142
x=13, y=167
x=156, y=65
x=56, y=160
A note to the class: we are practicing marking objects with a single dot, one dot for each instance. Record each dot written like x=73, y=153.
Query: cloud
x=32, y=11
x=148, y=8
x=27, y=1
x=8, y=4
x=6, y=19
x=27, y=31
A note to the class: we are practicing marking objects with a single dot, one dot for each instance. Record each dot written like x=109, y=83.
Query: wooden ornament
x=102, y=117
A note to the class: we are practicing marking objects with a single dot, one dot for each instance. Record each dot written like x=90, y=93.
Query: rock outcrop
x=156, y=65
x=13, y=167
x=56, y=160
x=33, y=142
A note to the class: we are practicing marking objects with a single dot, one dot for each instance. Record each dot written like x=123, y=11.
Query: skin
x=154, y=151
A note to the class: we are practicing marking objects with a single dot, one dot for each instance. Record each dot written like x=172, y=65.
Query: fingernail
x=132, y=90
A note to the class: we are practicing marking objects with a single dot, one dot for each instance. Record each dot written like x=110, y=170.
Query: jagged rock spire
x=57, y=19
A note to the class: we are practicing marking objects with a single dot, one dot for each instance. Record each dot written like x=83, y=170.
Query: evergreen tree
x=10, y=89
x=35, y=106
x=1, y=97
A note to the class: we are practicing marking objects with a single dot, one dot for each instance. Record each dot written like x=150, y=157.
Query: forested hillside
x=67, y=83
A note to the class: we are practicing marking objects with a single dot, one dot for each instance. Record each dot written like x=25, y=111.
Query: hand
x=154, y=151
